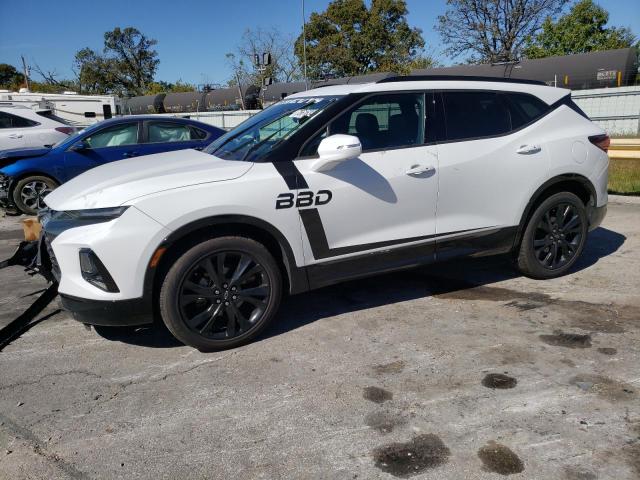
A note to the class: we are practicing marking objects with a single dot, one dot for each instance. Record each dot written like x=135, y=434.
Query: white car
x=328, y=185
x=22, y=127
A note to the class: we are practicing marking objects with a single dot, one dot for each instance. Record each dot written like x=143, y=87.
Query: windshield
x=258, y=135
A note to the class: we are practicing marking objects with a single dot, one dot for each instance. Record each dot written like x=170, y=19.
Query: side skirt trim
x=477, y=243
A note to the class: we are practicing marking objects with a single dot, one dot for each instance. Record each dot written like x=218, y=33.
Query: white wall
x=617, y=110
x=226, y=119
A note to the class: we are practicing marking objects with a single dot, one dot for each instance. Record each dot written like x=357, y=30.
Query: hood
x=117, y=183
x=7, y=157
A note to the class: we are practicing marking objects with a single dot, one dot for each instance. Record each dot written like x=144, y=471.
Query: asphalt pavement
x=455, y=371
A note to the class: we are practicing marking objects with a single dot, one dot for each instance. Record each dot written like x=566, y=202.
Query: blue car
x=28, y=175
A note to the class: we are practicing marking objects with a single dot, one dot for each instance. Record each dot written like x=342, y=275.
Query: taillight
x=601, y=141
x=65, y=130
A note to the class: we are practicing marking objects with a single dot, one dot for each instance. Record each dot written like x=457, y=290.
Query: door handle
x=528, y=149
x=129, y=154
x=15, y=135
x=420, y=170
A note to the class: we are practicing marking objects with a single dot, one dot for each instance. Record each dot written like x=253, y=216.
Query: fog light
x=94, y=272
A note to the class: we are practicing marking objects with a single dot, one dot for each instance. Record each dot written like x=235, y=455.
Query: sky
x=193, y=35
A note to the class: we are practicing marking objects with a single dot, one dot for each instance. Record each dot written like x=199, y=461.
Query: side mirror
x=336, y=149
x=80, y=146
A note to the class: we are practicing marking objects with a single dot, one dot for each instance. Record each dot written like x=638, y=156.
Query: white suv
x=22, y=127
x=328, y=185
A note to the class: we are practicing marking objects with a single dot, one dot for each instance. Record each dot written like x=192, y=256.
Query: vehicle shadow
x=300, y=310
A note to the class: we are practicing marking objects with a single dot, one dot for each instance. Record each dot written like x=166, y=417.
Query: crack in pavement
x=49, y=375
x=35, y=444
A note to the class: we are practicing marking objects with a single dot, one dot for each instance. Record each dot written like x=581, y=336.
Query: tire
x=30, y=191
x=552, y=243
x=201, y=297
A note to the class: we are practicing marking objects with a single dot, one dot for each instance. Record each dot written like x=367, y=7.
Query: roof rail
x=468, y=78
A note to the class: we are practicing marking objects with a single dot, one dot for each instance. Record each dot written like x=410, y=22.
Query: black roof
x=469, y=78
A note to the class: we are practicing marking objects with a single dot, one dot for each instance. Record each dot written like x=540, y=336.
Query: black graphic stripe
x=320, y=246
x=291, y=175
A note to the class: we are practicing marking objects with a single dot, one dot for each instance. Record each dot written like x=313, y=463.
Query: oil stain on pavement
x=411, y=458
x=500, y=459
x=568, y=340
x=608, y=350
x=604, y=318
x=499, y=380
x=376, y=394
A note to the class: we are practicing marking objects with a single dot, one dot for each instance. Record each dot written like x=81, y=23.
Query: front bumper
x=124, y=246
x=117, y=313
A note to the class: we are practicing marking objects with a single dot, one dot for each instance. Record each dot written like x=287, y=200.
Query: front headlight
x=55, y=222
x=91, y=215
x=95, y=214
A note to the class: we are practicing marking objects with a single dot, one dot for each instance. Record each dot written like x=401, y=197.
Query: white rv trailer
x=75, y=109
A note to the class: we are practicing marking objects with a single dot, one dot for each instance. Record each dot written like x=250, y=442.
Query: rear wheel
x=221, y=293
x=554, y=237
x=29, y=193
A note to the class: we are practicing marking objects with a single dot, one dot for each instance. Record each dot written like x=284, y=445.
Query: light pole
x=304, y=49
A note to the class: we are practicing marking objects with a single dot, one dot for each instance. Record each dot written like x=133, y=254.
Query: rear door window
x=167, y=132
x=14, y=121
x=474, y=115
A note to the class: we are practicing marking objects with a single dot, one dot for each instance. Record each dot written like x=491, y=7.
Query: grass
x=624, y=177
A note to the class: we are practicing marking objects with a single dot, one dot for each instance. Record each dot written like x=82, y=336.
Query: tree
x=284, y=65
x=167, y=87
x=51, y=82
x=10, y=77
x=492, y=31
x=96, y=73
x=351, y=39
x=581, y=30
x=126, y=66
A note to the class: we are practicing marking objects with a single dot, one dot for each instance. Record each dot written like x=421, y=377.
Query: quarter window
x=384, y=122
x=13, y=121
x=525, y=108
x=471, y=115
x=115, y=136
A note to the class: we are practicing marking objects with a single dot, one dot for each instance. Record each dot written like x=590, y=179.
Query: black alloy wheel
x=554, y=237
x=224, y=295
x=558, y=236
x=221, y=293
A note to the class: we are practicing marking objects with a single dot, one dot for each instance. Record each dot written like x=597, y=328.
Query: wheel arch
x=15, y=179
x=263, y=232
x=570, y=182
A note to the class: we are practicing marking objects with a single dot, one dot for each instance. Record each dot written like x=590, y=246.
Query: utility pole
x=25, y=70
x=304, y=48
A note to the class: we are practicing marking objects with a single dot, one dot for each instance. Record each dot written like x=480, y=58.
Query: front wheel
x=29, y=193
x=221, y=293
x=554, y=237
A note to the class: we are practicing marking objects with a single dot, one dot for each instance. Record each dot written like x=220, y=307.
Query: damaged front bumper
x=5, y=201
x=36, y=259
